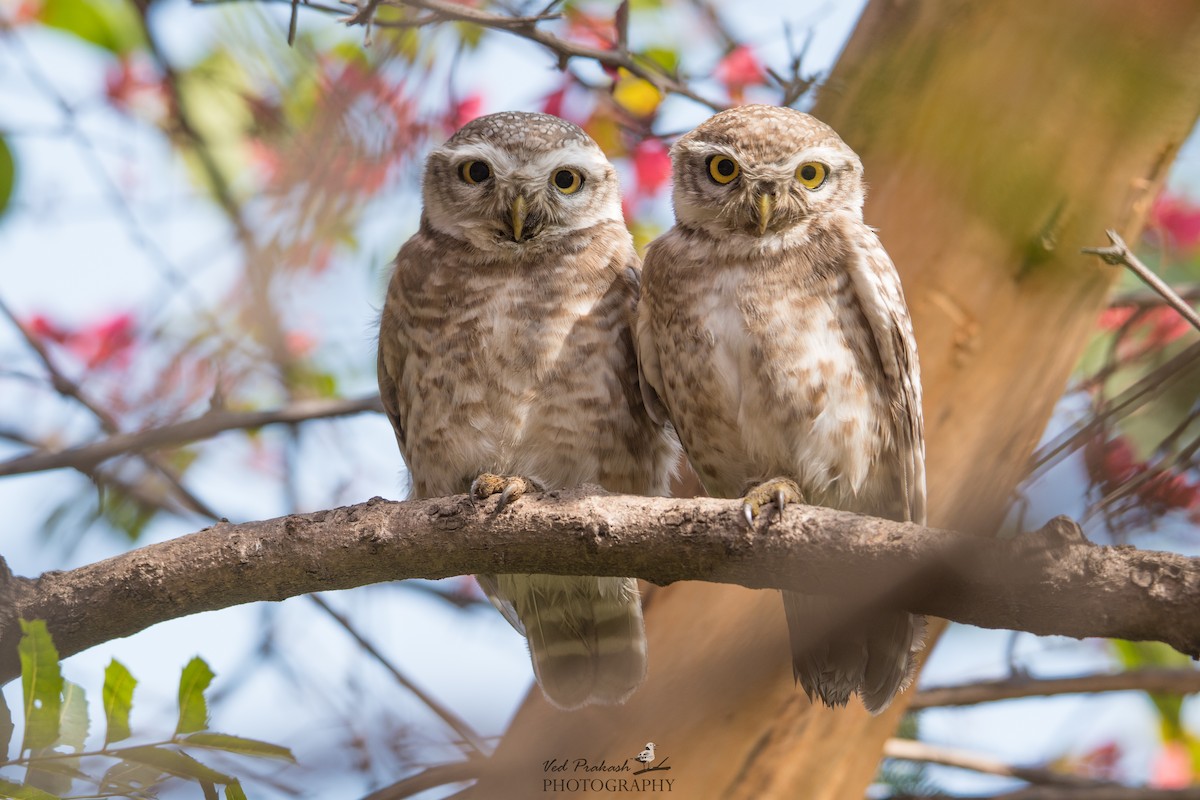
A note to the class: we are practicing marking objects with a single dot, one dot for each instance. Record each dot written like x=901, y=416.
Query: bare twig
x=1119, y=253
x=70, y=389
x=1112, y=792
x=428, y=778
x=204, y=427
x=456, y=723
x=910, y=750
x=528, y=27
x=1148, y=298
x=1166, y=681
x=1052, y=583
x=1148, y=387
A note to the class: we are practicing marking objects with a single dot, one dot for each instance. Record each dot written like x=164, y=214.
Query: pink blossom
x=1177, y=220
x=652, y=165
x=466, y=110
x=1173, y=767
x=739, y=69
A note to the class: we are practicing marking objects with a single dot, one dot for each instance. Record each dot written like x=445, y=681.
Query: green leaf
x=113, y=26
x=42, y=685
x=210, y=791
x=236, y=744
x=118, y=701
x=73, y=724
x=193, y=708
x=234, y=792
x=19, y=792
x=6, y=727
x=8, y=174
x=128, y=778
x=175, y=763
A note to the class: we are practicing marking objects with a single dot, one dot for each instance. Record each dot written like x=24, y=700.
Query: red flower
x=43, y=328
x=1111, y=319
x=466, y=110
x=652, y=165
x=107, y=340
x=553, y=104
x=1111, y=463
x=1173, y=767
x=739, y=69
x=110, y=339
x=1177, y=220
x=1166, y=325
x=135, y=87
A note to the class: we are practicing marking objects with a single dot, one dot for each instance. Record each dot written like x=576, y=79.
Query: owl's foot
x=509, y=487
x=777, y=491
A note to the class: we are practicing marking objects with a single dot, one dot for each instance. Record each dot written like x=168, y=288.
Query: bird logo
x=647, y=755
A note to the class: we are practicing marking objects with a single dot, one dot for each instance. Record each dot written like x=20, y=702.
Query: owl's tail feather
x=586, y=637
x=834, y=657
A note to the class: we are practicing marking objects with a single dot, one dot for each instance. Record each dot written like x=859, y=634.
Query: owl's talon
x=509, y=487
x=511, y=492
x=777, y=491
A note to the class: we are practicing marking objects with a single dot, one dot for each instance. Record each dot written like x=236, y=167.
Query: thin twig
x=456, y=723
x=1132, y=398
x=910, y=750
x=1119, y=253
x=1073, y=793
x=428, y=778
x=1167, y=681
x=69, y=388
x=1148, y=298
x=179, y=433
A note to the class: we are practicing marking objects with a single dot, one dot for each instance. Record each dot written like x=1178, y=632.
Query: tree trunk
x=998, y=138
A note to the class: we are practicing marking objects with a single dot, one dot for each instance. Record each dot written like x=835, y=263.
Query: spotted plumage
x=773, y=333
x=506, y=365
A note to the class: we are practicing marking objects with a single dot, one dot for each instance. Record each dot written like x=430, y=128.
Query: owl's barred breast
x=484, y=340
x=793, y=383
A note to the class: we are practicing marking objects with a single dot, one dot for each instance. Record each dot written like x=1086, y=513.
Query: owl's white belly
x=790, y=394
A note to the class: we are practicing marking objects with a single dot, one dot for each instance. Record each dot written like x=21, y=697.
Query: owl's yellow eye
x=723, y=169
x=567, y=181
x=474, y=172
x=811, y=174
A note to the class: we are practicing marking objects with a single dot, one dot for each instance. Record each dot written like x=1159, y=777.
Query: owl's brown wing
x=649, y=371
x=877, y=285
x=391, y=358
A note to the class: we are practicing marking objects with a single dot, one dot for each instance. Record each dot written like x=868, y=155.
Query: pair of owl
x=522, y=349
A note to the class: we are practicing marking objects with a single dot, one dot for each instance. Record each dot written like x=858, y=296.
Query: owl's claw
x=509, y=487
x=777, y=491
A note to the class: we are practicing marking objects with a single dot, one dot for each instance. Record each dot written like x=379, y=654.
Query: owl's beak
x=518, y=218
x=766, y=204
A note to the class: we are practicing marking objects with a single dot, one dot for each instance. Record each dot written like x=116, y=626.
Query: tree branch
x=1166, y=681
x=1053, y=582
x=88, y=456
x=911, y=750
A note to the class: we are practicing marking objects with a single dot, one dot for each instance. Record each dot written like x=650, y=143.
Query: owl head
x=514, y=183
x=763, y=172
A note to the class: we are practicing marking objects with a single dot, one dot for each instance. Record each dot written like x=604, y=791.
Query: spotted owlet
x=773, y=333
x=506, y=365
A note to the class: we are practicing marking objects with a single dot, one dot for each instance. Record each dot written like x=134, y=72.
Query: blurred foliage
x=7, y=175
x=1141, y=377
x=53, y=750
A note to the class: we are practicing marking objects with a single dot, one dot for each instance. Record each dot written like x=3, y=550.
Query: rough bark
x=1053, y=582
x=998, y=138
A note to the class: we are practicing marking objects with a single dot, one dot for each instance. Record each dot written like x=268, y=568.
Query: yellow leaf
x=636, y=96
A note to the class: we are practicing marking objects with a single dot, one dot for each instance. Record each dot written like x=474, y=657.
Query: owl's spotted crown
x=521, y=128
